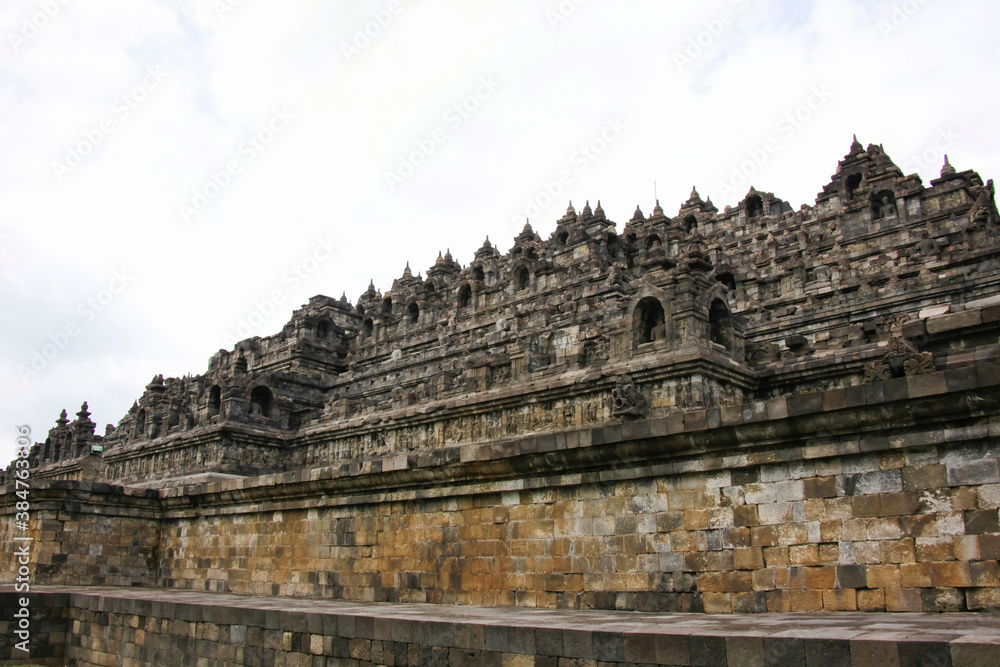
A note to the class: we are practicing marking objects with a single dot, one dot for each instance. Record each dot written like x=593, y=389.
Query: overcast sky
x=175, y=175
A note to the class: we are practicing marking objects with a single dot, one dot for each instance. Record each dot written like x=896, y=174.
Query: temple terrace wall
x=879, y=497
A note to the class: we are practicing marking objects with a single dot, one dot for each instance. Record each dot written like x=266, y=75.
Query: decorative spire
x=527, y=228
x=406, y=272
x=883, y=159
x=62, y=421
x=586, y=209
x=570, y=210
x=947, y=169
x=856, y=146
x=638, y=216
x=658, y=210
x=84, y=413
x=371, y=287
x=343, y=297
x=447, y=256
x=599, y=212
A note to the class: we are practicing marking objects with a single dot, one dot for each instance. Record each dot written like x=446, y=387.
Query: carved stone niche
x=626, y=401
x=901, y=359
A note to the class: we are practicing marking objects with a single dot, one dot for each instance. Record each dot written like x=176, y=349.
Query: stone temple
x=751, y=410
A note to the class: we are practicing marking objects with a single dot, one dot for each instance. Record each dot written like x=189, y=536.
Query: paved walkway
x=856, y=639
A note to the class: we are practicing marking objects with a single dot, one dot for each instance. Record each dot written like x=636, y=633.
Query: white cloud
x=354, y=118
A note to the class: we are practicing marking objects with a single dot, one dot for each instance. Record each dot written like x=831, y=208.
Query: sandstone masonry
x=748, y=410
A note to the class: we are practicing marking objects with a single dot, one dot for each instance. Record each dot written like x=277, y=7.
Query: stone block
x=983, y=599
x=924, y=654
x=903, y=600
x=675, y=650
x=782, y=651
x=961, y=379
x=745, y=515
x=989, y=547
x=827, y=653
x=774, y=513
x=640, y=648
x=953, y=321
x=608, y=646
x=984, y=573
x=942, y=600
x=802, y=404
x=851, y=576
x=989, y=496
x=871, y=600
x=806, y=600
x=804, y=555
x=987, y=373
x=745, y=651
x=876, y=482
x=951, y=575
x=577, y=644
x=899, y=504
x=895, y=389
x=874, y=653
x=707, y=651
x=982, y=521
x=975, y=473
x=914, y=329
x=840, y=600
x=820, y=487
x=820, y=577
x=926, y=385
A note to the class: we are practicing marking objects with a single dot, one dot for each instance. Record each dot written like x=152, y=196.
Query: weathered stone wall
x=49, y=628
x=898, y=521
x=85, y=533
x=883, y=496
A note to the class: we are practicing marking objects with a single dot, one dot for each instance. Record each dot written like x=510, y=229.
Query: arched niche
x=521, y=278
x=720, y=324
x=261, y=400
x=648, y=321
x=464, y=296
x=214, y=400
